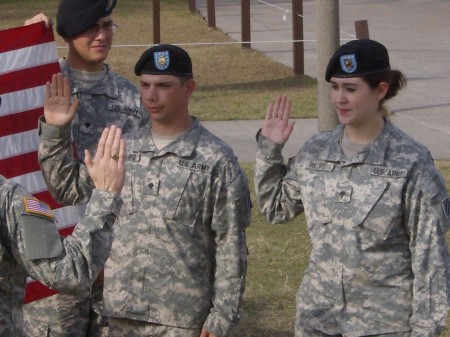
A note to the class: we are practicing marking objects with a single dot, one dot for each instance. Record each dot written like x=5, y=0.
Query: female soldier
x=376, y=208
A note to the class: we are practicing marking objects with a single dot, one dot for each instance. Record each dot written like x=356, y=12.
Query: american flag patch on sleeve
x=35, y=206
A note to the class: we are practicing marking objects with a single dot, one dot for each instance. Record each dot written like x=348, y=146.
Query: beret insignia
x=162, y=60
x=348, y=63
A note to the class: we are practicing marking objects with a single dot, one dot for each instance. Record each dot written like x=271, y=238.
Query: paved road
x=416, y=33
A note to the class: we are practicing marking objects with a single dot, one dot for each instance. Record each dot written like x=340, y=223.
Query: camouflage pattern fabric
x=122, y=327
x=305, y=331
x=71, y=321
x=30, y=245
x=179, y=256
x=113, y=100
x=379, y=262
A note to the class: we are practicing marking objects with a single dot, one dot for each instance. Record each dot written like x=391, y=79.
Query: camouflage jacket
x=30, y=245
x=113, y=100
x=179, y=255
x=379, y=262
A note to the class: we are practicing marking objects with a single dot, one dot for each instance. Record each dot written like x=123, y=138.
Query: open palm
x=277, y=126
x=58, y=109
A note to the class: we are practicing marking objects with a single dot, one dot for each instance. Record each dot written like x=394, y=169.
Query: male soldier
x=29, y=240
x=178, y=262
x=106, y=98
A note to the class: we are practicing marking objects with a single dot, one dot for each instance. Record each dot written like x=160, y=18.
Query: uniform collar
x=182, y=147
x=102, y=87
x=374, y=156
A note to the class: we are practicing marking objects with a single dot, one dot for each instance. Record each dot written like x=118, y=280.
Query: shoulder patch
x=37, y=207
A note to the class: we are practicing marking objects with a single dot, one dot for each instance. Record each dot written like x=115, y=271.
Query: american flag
x=28, y=58
x=35, y=206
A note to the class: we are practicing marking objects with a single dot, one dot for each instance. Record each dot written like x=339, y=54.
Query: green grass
x=278, y=256
x=233, y=83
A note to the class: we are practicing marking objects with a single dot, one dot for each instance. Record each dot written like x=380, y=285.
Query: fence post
x=192, y=6
x=362, y=29
x=327, y=17
x=211, y=8
x=156, y=22
x=245, y=23
x=297, y=34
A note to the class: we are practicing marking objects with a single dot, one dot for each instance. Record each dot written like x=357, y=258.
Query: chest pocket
x=378, y=215
x=316, y=197
x=187, y=197
x=93, y=115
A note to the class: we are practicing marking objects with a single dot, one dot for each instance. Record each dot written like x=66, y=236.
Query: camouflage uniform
x=113, y=100
x=30, y=245
x=179, y=256
x=379, y=262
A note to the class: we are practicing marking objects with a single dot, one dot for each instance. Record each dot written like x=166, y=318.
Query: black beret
x=358, y=58
x=76, y=16
x=164, y=59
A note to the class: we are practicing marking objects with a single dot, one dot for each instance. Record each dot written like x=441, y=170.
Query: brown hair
x=395, y=80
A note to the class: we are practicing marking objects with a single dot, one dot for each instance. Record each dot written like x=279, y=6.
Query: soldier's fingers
x=269, y=111
x=66, y=87
x=54, y=86
x=48, y=90
x=115, y=147
x=286, y=112
x=88, y=158
x=122, y=151
x=109, y=142
x=60, y=84
x=73, y=107
x=276, y=107
x=101, y=144
x=281, y=106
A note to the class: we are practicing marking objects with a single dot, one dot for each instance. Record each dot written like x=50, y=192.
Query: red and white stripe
x=28, y=59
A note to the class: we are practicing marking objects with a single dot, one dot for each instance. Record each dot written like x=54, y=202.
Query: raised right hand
x=107, y=169
x=38, y=18
x=58, y=110
x=277, y=126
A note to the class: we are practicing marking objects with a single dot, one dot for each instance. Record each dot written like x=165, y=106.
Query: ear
x=382, y=90
x=190, y=87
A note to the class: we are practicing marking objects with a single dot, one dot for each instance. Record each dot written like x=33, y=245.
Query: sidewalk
x=415, y=33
